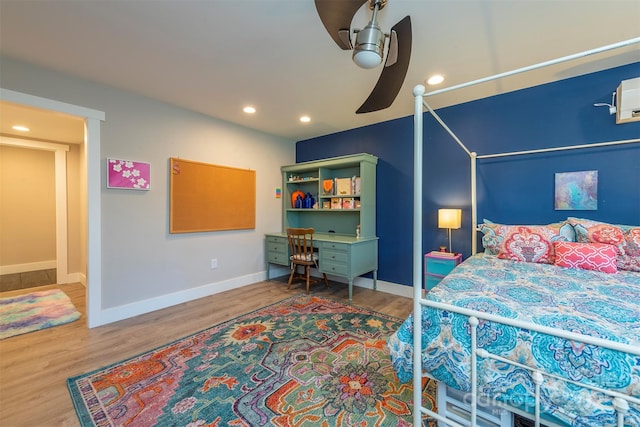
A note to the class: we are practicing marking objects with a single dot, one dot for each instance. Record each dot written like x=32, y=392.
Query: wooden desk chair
x=301, y=247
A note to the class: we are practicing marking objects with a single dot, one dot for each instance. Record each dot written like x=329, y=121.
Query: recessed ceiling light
x=249, y=110
x=21, y=128
x=305, y=119
x=436, y=79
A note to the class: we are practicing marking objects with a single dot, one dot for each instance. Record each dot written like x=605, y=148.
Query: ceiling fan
x=368, y=51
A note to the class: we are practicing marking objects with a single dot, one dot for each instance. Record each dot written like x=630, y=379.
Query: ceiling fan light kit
x=369, y=48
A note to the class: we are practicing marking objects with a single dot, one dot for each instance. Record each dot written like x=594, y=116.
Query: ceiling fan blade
x=336, y=16
x=394, y=71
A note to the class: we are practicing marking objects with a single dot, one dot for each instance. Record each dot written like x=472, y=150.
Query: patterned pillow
x=587, y=256
x=527, y=243
x=626, y=239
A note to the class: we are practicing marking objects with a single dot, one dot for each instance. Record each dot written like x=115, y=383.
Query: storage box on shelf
x=437, y=265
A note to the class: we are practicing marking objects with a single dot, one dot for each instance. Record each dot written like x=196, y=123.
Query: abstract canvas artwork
x=128, y=174
x=576, y=191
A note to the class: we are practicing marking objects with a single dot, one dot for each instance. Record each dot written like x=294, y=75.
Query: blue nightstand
x=438, y=265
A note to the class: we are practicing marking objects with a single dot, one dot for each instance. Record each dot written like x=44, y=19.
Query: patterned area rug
x=35, y=311
x=305, y=361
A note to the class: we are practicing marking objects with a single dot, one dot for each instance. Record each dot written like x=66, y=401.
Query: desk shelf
x=324, y=220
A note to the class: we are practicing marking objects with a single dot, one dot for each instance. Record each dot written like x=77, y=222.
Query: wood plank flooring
x=34, y=367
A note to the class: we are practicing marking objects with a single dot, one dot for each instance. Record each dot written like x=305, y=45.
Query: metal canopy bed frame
x=619, y=402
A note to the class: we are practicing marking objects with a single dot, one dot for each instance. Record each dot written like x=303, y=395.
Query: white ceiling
x=216, y=56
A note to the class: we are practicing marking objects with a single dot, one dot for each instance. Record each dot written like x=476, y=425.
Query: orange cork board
x=207, y=197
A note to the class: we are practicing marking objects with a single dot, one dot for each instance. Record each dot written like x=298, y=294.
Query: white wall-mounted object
x=628, y=94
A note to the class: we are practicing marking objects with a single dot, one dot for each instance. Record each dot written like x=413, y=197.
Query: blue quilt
x=587, y=302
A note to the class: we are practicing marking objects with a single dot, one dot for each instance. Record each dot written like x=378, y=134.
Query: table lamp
x=449, y=219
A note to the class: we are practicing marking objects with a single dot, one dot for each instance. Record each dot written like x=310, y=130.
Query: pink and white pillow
x=526, y=243
x=625, y=238
x=586, y=256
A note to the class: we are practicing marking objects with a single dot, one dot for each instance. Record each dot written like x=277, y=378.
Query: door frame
x=92, y=121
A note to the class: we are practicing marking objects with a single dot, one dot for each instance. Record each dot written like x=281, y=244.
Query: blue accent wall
x=511, y=190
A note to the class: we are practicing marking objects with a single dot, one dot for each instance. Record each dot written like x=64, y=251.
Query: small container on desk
x=437, y=265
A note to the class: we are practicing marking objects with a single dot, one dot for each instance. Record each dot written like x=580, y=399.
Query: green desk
x=339, y=255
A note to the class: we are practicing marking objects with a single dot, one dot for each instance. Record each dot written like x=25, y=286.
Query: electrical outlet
x=214, y=263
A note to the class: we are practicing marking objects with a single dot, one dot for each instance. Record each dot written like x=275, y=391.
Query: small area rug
x=304, y=361
x=35, y=311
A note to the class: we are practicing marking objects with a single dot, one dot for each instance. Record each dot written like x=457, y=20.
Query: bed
x=597, y=304
x=490, y=342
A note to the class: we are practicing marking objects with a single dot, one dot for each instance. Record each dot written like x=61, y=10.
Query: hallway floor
x=28, y=279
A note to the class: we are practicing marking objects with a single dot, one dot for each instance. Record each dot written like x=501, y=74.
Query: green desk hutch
x=344, y=215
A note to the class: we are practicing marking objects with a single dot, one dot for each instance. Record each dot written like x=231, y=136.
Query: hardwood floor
x=34, y=367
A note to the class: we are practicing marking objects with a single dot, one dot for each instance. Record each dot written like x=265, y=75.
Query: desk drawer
x=277, y=250
x=278, y=258
x=277, y=244
x=336, y=257
x=276, y=240
x=277, y=247
x=334, y=268
x=335, y=246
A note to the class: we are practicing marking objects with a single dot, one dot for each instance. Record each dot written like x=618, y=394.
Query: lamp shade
x=449, y=218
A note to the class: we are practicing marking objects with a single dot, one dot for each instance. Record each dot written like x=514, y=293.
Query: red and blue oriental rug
x=304, y=361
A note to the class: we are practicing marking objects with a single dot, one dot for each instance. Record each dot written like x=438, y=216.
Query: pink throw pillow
x=587, y=256
x=626, y=239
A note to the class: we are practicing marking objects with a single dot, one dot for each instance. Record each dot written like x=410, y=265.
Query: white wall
x=143, y=266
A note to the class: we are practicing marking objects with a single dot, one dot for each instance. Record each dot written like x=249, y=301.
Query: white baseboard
x=393, y=288
x=75, y=278
x=126, y=311
x=31, y=266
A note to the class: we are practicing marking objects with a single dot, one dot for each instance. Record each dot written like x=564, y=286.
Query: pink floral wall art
x=128, y=174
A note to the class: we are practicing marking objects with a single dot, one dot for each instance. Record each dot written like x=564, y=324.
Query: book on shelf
x=336, y=203
x=356, y=184
x=343, y=186
x=443, y=254
x=327, y=187
x=348, y=203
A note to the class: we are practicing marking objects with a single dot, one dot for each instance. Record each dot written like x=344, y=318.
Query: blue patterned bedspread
x=587, y=302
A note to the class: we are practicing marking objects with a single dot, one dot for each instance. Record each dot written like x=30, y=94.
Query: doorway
x=40, y=213
x=91, y=188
